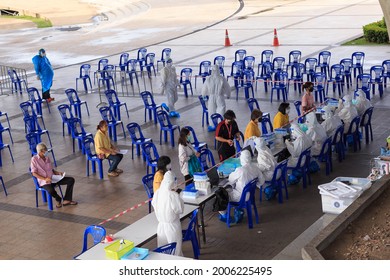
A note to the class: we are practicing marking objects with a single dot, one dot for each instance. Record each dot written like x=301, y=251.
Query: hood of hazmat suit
x=362, y=102
x=296, y=147
x=348, y=112
x=265, y=159
x=316, y=133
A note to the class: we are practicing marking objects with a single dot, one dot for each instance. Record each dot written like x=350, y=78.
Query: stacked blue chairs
x=220, y=61
x=165, y=55
x=336, y=78
x=75, y=102
x=298, y=105
x=115, y=104
x=280, y=84
x=85, y=76
x=206, y=159
x=2, y=183
x=190, y=234
x=5, y=128
x=185, y=80
x=98, y=234
x=147, y=182
x=249, y=63
x=216, y=119
x=6, y=117
x=386, y=71
x=149, y=64
x=204, y=70
x=294, y=57
x=33, y=139
x=28, y=111
x=278, y=64
x=310, y=68
x=338, y=142
x=109, y=117
x=16, y=81
x=137, y=138
x=247, y=83
x=266, y=125
x=319, y=86
x=236, y=73
x=66, y=116
x=79, y=133
x=265, y=57
x=168, y=249
x=131, y=70
x=278, y=180
x=265, y=74
x=296, y=77
x=353, y=133
x=32, y=126
x=357, y=62
x=205, y=111
x=2, y=147
x=91, y=156
x=166, y=126
x=303, y=166
x=326, y=155
x=107, y=77
x=366, y=124
x=324, y=62
x=98, y=73
x=198, y=146
x=346, y=63
x=376, y=72
x=239, y=55
x=36, y=99
x=252, y=104
x=247, y=200
x=363, y=82
x=150, y=106
x=149, y=150
x=141, y=57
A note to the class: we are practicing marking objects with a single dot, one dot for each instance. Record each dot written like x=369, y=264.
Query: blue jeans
x=115, y=160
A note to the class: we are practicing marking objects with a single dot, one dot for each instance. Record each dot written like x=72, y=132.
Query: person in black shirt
x=225, y=133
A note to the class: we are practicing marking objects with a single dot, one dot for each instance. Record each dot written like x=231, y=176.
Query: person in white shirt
x=186, y=151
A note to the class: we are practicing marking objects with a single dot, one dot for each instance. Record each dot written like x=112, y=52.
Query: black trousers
x=68, y=181
x=46, y=94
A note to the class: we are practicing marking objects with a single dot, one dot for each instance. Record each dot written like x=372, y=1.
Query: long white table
x=140, y=232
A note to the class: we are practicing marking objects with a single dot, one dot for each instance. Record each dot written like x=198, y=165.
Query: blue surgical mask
x=46, y=154
x=189, y=138
x=354, y=101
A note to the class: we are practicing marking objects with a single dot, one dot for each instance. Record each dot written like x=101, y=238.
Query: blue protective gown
x=44, y=70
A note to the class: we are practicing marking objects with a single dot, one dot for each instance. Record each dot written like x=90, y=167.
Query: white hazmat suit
x=169, y=84
x=331, y=122
x=296, y=147
x=243, y=175
x=216, y=87
x=348, y=112
x=265, y=159
x=168, y=206
x=316, y=133
x=362, y=102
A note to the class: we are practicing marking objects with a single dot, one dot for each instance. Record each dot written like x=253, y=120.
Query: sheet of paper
x=123, y=152
x=57, y=178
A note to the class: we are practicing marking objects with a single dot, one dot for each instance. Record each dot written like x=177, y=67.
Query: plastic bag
x=194, y=165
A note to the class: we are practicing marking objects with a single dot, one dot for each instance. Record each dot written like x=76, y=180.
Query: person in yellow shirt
x=252, y=129
x=281, y=119
x=163, y=165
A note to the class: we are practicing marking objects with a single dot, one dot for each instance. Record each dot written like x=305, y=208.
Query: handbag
x=194, y=165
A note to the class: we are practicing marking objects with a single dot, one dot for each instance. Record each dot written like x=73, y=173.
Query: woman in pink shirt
x=307, y=98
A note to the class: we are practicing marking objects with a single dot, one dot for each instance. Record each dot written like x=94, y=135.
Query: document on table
x=123, y=152
x=57, y=178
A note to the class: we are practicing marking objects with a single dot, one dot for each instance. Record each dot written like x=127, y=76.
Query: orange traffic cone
x=276, y=40
x=227, y=40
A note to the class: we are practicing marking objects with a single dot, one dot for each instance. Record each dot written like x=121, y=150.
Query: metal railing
x=5, y=79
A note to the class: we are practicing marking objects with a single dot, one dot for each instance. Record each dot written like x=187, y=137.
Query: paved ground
x=310, y=26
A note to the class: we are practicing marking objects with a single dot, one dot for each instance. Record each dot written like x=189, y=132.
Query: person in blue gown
x=44, y=72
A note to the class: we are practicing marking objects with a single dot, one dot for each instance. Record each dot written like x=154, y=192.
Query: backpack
x=221, y=199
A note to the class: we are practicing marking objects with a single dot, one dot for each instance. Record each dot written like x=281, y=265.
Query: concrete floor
x=48, y=235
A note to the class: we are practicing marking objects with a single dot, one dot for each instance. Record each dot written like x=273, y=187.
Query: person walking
x=44, y=72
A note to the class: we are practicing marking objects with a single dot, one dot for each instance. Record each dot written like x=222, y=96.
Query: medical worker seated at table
x=331, y=122
x=316, y=133
x=44, y=72
x=216, y=88
x=252, y=129
x=168, y=205
x=362, y=103
x=346, y=111
x=297, y=144
x=281, y=119
x=239, y=178
x=265, y=159
x=169, y=84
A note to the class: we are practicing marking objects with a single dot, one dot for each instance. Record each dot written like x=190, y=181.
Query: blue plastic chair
x=303, y=166
x=278, y=180
x=198, y=146
x=35, y=98
x=98, y=73
x=252, y=104
x=294, y=57
x=365, y=123
x=78, y=132
x=326, y=155
x=149, y=64
x=28, y=111
x=220, y=61
x=319, y=86
x=324, y=62
x=149, y=150
x=32, y=126
x=109, y=117
x=265, y=57
x=310, y=68
x=3, y=146
x=353, y=132
x=147, y=181
x=247, y=200
x=168, y=249
x=357, y=62
x=84, y=75
x=16, y=81
x=137, y=138
x=123, y=58
x=6, y=116
x=266, y=125
x=115, y=103
x=166, y=126
x=298, y=105
x=239, y=55
x=296, y=77
x=66, y=116
x=165, y=55
x=249, y=62
x=107, y=77
x=141, y=57
x=5, y=128
x=46, y=197
x=131, y=70
x=75, y=102
x=190, y=234
x=247, y=83
x=278, y=64
x=336, y=79
x=338, y=142
x=216, y=119
x=363, y=82
x=185, y=80
x=280, y=85
x=346, y=63
x=386, y=71
x=150, y=105
x=205, y=111
x=265, y=74
x=377, y=78
x=33, y=139
x=97, y=232
x=2, y=182
x=206, y=159
x=204, y=70
x=91, y=156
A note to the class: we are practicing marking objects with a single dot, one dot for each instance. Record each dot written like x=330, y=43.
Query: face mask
x=46, y=154
x=189, y=138
x=169, y=167
x=354, y=101
x=287, y=111
x=260, y=119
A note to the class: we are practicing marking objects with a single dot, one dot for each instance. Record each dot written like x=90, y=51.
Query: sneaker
x=112, y=174
x=118, y=170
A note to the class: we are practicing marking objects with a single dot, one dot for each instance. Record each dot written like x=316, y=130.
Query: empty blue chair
x=75, y=102
x=265, y=74
x=294, y=57
x=198, y=146
x=303, y=166
x=386, y=71
x=324, y=62
x=147, y=181
x=204, y=70
x=2, y=182
x=150, y=106
x=336, y=78
x=265, y=57
x=346, y=63
x=79, y=133
x=165, y=55
x=206, y=159
x=357, y=62
x=353, y=132
x=28, y=111
x=220, y=61
x=249, y=63
x=98, y=234
x=131, y=70
x=296, y=77
x=168, y=249
x=149, y=64
x=3, y=146
x=6, y=116
x=366, y=124
x=137, y=138
x=236, y=73
x=310, y=68
x=35, y=98
x=363, y=82
x=107, y=77
x=66, y=116
x=280, y=85
x=115, y=103
x=298, y=105
x=278, y=180
x=141, y=57
x=247, y=200
x=247, y=83
x=338, y=142
x=149, y=150
x=166, y=126
x=216, y=119
x=5, y=128
x=326, y=155
x=377, y=78
x=205, y=111
x=253, y=104
x=109, y=117
x=98, y=73
x=190, y=234
x=123, y=58
x=266, y=125
x=16, y=81
x=84, y=75
x=46, y=197
x=239, y=55
x=32, y=126
x=278, y=64
x=185, y=80
x=33, y=139
x=319, y=86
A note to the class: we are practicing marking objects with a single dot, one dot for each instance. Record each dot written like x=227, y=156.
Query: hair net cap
x=169, y=60
x=311, y=119
x=245, y=157
x=168, y=180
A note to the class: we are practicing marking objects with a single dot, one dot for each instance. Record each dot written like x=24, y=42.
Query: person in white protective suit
x=169, y=84
x=362, y=103
x=168, y=205
x=331, y=122
x=297, y=146
x=316, y=133
x=216, y=88
x=347, y=112
x=265, y=159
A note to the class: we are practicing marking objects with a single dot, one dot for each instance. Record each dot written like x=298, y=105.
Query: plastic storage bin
x=136, y=254
x=116, y=250
x=190, y=192
x=228, y=166
x=363, y=183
